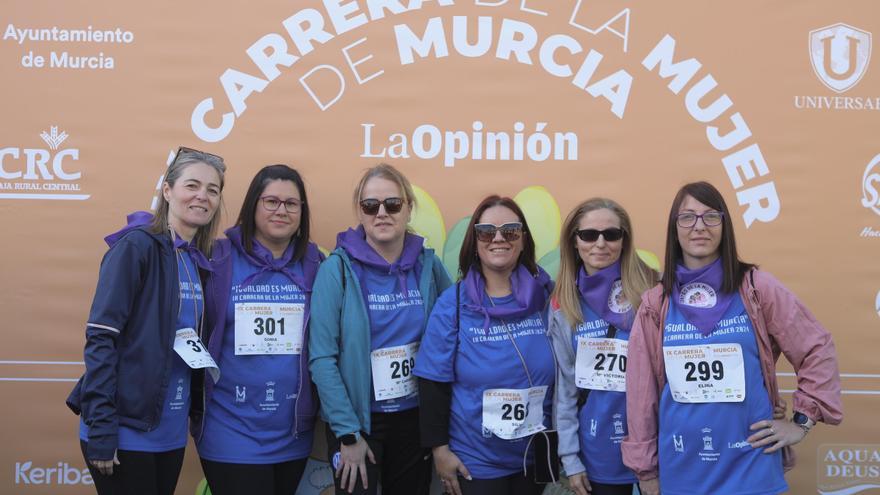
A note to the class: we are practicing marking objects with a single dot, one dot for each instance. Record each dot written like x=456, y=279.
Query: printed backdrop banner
x=547, y=101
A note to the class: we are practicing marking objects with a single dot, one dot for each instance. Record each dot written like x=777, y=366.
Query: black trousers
x=514, y=484
x=402, y=466
x=605, y=489
x=139, y=473
x=281, y=478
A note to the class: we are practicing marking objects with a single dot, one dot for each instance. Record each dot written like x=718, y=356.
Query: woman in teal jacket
x=370, y=303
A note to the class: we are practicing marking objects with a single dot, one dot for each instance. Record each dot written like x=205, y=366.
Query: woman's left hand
x=776, y=433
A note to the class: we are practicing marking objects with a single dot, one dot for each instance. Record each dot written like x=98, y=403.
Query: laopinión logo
x=46, y=173
x=847, y=469
x=60, y=474
x=871, y=193
x=840, y=55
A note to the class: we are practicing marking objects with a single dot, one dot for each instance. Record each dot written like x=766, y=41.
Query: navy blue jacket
x=129, y=338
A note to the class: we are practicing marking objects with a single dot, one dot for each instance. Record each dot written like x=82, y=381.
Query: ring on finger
x=772, y=431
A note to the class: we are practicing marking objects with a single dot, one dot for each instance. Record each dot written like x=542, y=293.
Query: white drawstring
x=549, y=463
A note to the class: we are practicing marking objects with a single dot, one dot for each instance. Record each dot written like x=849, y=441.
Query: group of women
x=635, y=379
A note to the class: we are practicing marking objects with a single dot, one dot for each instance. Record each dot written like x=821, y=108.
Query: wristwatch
x=350, y=438
x=803, y=421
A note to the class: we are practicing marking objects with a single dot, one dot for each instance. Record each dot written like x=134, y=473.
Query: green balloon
x=202, y=488
x=452, y=247
x=550, y=263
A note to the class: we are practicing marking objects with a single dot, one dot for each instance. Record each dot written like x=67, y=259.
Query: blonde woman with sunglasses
x=598, y=291
x=370, y=303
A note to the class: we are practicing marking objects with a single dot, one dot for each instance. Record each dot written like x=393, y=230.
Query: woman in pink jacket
x=701, y=378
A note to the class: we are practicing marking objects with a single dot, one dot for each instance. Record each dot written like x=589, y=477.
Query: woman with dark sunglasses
x=486, y=366
x=254, y=428
x=372, y=298
x=701, y=374
x=142, y=336
x=598, y=290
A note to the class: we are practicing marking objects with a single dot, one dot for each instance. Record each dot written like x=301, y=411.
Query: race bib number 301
x=601, y=364
x=512, y=413
x=190, y=348
x=705, y=373
x=268, y=328
x=392, y=371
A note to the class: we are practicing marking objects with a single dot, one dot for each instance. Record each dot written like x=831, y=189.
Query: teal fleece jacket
x=339, y=338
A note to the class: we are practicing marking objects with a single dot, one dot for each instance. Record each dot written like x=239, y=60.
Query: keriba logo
x=60, y=474
x=840, y=54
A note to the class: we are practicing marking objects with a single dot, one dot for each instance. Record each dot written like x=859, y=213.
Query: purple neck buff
x=263, y=258
x=354, y=242
x=603, y=293
x=140, y=219
x=529, y=291
x=697, y=294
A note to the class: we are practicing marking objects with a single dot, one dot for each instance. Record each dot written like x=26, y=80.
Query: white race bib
x=705, y=373
x=268, y=328
x=601, y=364
x=512, y=413
x=189, y=347
x=392, y=371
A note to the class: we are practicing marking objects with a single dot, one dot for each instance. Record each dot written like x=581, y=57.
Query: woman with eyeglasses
x=598, y=290
x=486, y=366
x=142, y=336
x=701, y=374
x=255, y=432
x=371, y=300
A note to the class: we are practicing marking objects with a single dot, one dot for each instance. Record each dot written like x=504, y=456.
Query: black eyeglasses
x=710, y=219
x=370, y=206
x=271, y=203
x=509, y=231
x=592, y=235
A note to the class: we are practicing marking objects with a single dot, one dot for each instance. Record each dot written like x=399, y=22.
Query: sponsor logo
x=871, y=186
x=840, y=54
x=240, y=393
x=47, y=173
x=678, y=442
x=847, y=469
x=60, y=474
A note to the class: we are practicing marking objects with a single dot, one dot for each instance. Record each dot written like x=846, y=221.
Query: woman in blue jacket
x=486, y=368
x=371, y=300
x=255, y=434
x=142, y=334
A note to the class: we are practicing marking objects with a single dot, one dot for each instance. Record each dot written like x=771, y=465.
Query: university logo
x=840, y=54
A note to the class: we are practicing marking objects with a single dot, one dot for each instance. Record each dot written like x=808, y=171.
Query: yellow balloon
x=649, y=258
x=427, y=221
x=542, y=214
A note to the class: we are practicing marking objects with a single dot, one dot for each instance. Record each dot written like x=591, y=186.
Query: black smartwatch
x=803, y=421
x=350, y=438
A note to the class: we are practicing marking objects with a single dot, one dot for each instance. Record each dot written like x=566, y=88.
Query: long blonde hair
x=636, y=276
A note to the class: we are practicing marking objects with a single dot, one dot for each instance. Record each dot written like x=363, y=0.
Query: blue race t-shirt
x=397, y=317
x=702, y=446
x=475, y=359
x=171, y=432
x=602, y=419
x=249, y=418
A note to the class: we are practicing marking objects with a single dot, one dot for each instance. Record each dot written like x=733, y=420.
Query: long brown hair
x=468, y=254
x=635, y=275
x=734, y=268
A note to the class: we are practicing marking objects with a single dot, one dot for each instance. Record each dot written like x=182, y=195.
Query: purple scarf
x=603, y=293
x=529, y=291
x=140, y=219
x=354, y=242
x=697, y=294
x=267, y=262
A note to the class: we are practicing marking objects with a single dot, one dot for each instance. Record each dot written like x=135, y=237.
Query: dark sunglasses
x=592, y=235
x=184, y=149
x=509, y=231
x=370, y=206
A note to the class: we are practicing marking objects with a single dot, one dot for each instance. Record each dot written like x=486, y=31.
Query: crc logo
x=840, y=54
x=41, y=173
x=871, y=186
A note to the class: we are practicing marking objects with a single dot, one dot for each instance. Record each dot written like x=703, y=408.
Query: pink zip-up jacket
x=782, y=325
